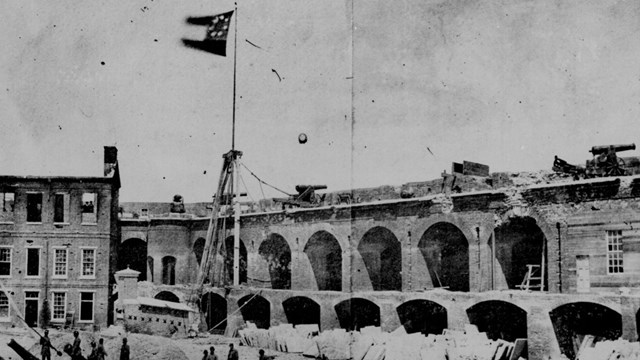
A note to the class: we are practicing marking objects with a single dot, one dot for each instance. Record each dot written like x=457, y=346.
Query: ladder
x=533, y=278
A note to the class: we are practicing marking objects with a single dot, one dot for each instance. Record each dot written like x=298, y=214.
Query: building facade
x=56, y=241
x=428, y=262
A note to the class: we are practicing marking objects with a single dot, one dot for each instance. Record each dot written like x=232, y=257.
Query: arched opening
x=301, y=310
x=257, y=310
x=571, y=322
x=198, y=249
x=519, y=242
x=133, y=253
x=325, y=256
x=277, y=254
x=356, y=313
x=150, y=268
x=499, y=319
x=167, y=296
x=382, y=256
x=169, y=270
x=214, y=308
x=228, y=244
x=446, y=251
x=423, y=316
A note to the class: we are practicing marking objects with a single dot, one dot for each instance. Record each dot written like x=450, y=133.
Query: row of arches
x=443, y=246
x=498, y=319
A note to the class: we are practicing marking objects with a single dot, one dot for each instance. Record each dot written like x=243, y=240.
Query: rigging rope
x=243, y=305
x=263, y=182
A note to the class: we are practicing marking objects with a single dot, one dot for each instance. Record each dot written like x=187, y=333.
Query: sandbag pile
x=371, y=343
x=610, y=349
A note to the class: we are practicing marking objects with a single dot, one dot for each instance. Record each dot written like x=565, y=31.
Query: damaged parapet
x=148, y=315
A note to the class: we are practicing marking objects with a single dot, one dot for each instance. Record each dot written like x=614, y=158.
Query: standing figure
x=101, y=354
x=76, y=351
x=94, y=352
x=124, y=350
x=45, y=352
x=233, y=353
x=205, y=355
x=212, y=354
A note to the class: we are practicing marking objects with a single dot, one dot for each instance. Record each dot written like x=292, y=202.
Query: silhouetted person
x=262, y=356
x=94, y=352
x=233, y=353
x=205, y=355
x=76, y=351
x=212, y=354
x=45, y=352
x=124, y=350
x=101, y=353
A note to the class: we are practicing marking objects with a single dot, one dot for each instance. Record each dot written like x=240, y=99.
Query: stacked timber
x=371, y=343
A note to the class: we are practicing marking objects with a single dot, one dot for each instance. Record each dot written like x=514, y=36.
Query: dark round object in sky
x=302, y=138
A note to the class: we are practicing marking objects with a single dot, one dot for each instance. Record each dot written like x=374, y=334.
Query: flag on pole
x=215, y=40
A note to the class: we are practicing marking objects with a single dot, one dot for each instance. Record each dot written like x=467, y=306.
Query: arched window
x=276, y=252
x=132, y=253
x=198, y=249
x=382, y=256
x=325, y=256
x=150, y=267
x=169, y=270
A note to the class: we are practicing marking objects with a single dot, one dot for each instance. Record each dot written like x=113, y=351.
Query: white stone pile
x=608, y=350
x=283, y=338
x=371, y=343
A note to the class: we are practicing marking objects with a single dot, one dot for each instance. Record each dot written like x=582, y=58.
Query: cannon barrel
x=596, y=150
x=302, y=188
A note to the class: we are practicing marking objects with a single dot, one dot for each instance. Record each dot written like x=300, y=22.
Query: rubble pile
x=283, y=338
x=371, y=343
x=608, y=350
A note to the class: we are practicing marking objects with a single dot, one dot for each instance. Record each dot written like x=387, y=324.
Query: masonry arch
x=422, y=316
x=256, y=309
x=198, y=249
x=167, y=296
x=276, y=252
x=169, y=270
x=214, y=308
x=446, y=251
x=382, y=256
x=301, y=310
x=325, y=256
x=499, y=319
x=519, y=242
x=228, y=248
x=356, y=313
x=132, y=253
x=571, y=322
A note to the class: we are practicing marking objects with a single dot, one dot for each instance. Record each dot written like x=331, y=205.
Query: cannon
x=605, y=162
x=306, y=197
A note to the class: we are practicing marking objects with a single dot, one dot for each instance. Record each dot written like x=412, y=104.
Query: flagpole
x=235, y=52
x=236, y=164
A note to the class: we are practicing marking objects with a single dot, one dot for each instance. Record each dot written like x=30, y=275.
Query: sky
x=387, y=92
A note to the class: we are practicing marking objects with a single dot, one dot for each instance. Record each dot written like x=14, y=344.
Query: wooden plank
x=518, y=347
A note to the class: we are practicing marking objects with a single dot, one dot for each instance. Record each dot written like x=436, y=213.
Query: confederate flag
x=215, y=40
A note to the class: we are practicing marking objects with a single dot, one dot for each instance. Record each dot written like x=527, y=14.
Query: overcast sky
x=507, y=84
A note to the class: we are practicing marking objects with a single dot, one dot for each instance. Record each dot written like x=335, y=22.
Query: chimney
x=110, y=160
